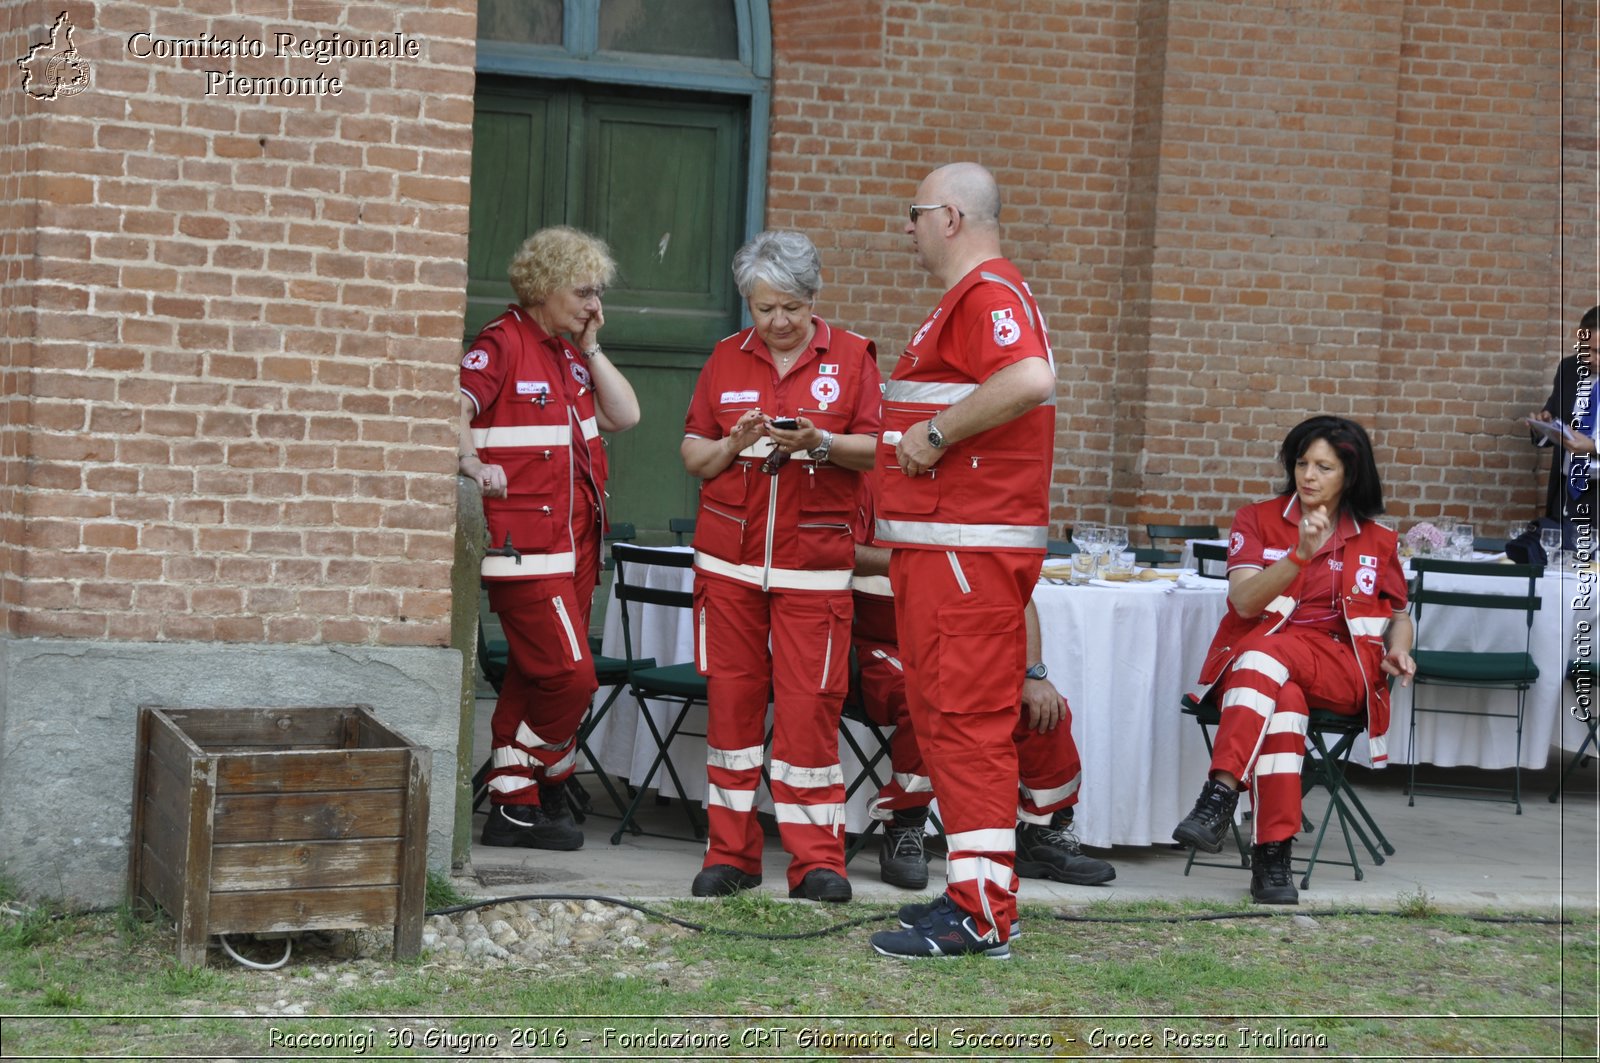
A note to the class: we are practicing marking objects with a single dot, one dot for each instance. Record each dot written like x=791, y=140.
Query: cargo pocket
x=981, y=652
x=834, y=672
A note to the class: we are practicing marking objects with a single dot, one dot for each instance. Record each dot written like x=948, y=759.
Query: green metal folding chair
x=1178, y=533
x=1506, y=669
x=1581, y=675
x=1211, y=559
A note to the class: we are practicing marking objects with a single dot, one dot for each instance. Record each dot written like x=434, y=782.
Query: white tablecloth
x=1450, y=741
x=1123, y=657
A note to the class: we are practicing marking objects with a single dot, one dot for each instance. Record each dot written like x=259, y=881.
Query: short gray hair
x=786, y=260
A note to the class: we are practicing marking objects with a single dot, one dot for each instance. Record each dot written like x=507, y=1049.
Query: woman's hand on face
x=589, y=336
x=1315, y=528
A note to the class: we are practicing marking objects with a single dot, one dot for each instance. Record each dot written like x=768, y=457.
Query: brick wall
x=1235, y=214
x=230, y=352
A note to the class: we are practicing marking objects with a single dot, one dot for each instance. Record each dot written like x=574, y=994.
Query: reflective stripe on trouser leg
x=963, y=654
x=738, y=679
x=1049, y=769
x=548, y=685
x=883, y=697
x=808, y=693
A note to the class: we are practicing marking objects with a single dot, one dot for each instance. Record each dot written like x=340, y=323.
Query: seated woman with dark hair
x=1316, y=619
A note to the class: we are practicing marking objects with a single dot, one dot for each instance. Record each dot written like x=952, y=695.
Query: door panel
x=659, y=177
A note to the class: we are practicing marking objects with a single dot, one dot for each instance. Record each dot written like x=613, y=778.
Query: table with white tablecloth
x=1122, y=656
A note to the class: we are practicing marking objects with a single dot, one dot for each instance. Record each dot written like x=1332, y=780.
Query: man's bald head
x=971, y=188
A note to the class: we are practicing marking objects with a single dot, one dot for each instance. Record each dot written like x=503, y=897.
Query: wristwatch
x=1038, y=671
x=935, y=437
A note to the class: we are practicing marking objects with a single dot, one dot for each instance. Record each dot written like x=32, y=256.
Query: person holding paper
x=1316, y=619
x=1566, y=425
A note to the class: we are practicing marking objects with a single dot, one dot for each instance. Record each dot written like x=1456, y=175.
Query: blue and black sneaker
x=944, y=931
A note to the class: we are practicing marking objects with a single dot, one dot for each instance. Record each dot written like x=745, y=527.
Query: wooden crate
x=279, y=819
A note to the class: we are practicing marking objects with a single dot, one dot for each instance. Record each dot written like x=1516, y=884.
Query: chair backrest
x=1212, y=560
x=1488, y=544
x=680, y=526
x=1422, y=595
x=1182, y=531
x=632, y=565
x=1060, y=547
x=621, y=532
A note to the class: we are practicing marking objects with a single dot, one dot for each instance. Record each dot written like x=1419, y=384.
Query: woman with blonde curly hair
x=536, y=392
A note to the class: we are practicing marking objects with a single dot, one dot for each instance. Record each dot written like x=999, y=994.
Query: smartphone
x=786, y=424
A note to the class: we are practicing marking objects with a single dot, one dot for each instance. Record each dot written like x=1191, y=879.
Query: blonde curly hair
x=556, y=257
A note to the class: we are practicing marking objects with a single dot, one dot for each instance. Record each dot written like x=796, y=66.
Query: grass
x=1415, y=982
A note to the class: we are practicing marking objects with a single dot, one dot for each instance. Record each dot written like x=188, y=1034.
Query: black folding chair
x=679, y=685
x=1211, y=560
x=680, y=527
x=1179, y=533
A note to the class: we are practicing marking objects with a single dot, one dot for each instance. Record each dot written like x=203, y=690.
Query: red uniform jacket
x=790, y=530
x=536, y=419
x=991, y=491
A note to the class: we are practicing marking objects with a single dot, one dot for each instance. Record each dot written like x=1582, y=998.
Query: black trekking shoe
x=902, y=861
x=553, y=799
x=531, y=827
x=1208, y=824
x=1271, y=879
x=1051, y=850
x=821, y=884
x=722, y=880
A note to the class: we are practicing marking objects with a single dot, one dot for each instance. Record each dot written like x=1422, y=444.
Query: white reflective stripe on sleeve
x=878, y=586
x=955, y=568
x=778, y=579
x=735, y=759
x=1054, y=794
x=589, y=427
x=526, y=736
x=1370, y=626
x=1378, y=749
x=564, y=765
x=1287, y=723
x=964, y=536
x=1256, y=661
x=523, y=435
x=528, y=565
x=1245, y=698
x=1278, y=764
x=914, y=784
x=926, y=392
x=1027, y=308
x=823, y=815
x=476, y=408
x=507, y=784
x=807, y=778
x=733, y=800
x=989, y=840
x=511, y=757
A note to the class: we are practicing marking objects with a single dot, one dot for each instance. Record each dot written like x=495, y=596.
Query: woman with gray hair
x=783, y=422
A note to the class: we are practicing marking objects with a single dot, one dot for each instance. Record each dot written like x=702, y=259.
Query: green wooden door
x=660, y=178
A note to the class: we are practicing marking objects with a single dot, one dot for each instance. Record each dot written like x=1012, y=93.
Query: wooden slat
x=170, y=747
x=310, y=816
x=289, y=772
x=137, y=890
x=307, y=726
x=414, y=856
x=194, y=908
x=373, y=733
x=305, y=865
x=165, y=807
x=266, y=911
x=162, y=883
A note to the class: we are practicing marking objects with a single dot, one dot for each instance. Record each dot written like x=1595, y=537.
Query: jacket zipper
x=566, y=625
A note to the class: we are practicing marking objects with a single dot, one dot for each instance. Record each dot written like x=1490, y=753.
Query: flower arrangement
x=1425, y=539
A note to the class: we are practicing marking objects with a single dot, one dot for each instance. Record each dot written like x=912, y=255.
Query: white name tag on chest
x=533, y=387
x=740, y=396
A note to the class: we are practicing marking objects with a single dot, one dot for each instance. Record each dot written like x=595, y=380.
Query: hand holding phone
x=785, y=424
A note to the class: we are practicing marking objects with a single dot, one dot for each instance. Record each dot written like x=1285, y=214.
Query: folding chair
x=679, y=685
x=1211, y=559
x=1503, y=670
x=1060, y=547
x=679, y=527
x=1180, y=533
x=1581, y=675
x=1330, y=737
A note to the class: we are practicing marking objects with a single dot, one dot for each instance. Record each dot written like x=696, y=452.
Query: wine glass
x=1116, y=539
x=1550, y=539
x=1091, y=538
x=1461, y=537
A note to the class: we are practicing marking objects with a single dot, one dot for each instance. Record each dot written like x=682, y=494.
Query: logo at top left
x=53, y=69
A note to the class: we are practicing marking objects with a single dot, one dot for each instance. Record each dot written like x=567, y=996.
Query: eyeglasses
x=594, y=291
x=919, y=209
